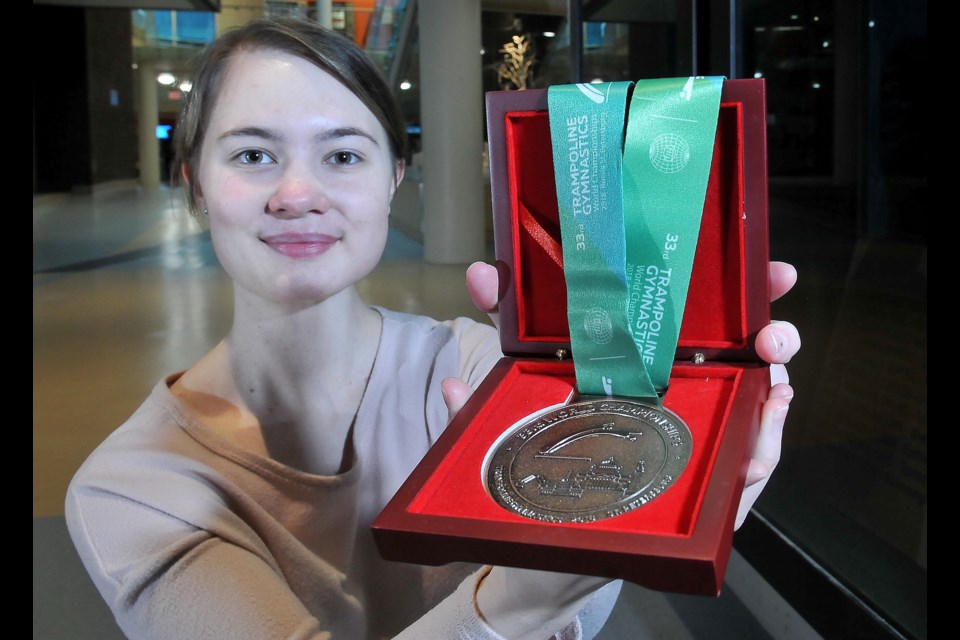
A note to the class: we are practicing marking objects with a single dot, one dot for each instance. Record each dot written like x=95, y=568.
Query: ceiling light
x=166, y=78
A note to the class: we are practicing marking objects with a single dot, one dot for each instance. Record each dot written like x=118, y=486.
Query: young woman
x=237, y=501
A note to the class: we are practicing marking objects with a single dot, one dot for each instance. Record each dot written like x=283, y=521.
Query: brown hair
x=334, y=53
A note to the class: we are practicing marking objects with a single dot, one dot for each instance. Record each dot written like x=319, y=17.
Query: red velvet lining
x=701, y=395
x=715, y=314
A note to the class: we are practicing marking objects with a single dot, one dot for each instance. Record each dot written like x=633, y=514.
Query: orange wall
x=362, y=18
x=363, y=10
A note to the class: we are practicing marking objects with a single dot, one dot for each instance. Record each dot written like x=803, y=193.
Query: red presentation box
x=679, y=542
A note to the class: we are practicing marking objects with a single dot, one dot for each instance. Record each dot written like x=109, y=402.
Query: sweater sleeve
x=177, y=581
x=458, y=617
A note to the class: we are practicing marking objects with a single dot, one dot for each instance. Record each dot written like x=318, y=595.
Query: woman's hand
x=483, y=285
x=776, y=343
x=526, y=604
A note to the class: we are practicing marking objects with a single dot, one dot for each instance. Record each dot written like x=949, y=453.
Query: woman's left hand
x=776, y=343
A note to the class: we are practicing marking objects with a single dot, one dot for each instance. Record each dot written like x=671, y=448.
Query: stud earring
x=206, y=212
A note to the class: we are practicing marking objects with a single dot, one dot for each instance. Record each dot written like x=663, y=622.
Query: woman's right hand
x=527, y=604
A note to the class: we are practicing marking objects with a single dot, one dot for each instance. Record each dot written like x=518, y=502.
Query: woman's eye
x=344, y=157
x=254, y=156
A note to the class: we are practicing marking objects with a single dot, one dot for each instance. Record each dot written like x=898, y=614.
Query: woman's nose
x=298, y=193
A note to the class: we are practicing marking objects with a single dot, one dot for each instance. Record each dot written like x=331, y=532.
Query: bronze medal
x=588, y=460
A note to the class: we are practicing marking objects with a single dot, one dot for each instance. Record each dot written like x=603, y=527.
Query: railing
x=389, y=35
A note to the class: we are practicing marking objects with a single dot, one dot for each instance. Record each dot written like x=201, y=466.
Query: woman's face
x=297, y=176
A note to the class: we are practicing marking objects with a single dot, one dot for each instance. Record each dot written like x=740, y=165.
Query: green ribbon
x=630, y=200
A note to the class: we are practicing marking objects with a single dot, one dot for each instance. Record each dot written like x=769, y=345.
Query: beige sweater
x=188, y=537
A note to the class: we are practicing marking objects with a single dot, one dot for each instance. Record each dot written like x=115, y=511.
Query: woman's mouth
x=300, y=245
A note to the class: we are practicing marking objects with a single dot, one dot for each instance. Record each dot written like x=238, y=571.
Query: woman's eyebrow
x=251, y=132
x=345, y=132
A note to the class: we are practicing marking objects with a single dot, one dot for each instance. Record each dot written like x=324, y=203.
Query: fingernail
x=777, y=340
x=786, y=394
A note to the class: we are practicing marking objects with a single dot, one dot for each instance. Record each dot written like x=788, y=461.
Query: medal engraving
x=588, y=461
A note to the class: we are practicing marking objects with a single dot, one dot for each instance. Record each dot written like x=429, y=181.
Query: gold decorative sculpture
x=516, y=69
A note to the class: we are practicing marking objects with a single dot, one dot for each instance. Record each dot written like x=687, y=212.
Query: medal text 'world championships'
x=589, y=461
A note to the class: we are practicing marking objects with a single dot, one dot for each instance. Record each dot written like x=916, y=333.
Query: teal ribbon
x=587, y=134
x=630, y=200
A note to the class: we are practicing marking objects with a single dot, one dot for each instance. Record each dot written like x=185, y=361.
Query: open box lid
x=728, y=300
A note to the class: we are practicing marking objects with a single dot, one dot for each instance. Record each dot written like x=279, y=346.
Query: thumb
x=483, y=285
x=455, y=394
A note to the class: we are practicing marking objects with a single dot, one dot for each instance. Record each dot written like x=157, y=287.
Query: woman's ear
x=398, y=176
x=194, y=187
